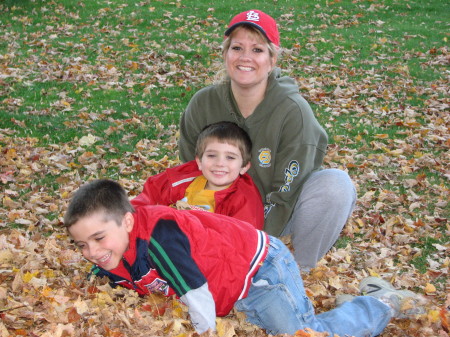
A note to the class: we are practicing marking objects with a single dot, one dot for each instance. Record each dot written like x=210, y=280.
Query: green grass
x=428, y=248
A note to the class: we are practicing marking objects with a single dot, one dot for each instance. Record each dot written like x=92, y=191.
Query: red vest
x=227, y=251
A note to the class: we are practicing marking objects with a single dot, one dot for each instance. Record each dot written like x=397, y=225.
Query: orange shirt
x=197, y=195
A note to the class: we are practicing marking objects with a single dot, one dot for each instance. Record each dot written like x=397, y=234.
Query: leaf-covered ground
x=88, y=92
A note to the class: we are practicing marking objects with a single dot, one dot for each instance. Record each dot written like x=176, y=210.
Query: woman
x=288, y=143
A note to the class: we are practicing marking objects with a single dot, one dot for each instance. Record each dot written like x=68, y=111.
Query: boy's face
x=100, y=240
x=221, y=164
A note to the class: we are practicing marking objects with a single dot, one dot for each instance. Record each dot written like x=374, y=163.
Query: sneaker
x=403, y=303
x=340, y=299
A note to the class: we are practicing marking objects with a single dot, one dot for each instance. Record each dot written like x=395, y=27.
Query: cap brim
x=242, y=23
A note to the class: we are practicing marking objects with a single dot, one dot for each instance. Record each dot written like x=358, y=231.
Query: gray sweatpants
x=323, y=207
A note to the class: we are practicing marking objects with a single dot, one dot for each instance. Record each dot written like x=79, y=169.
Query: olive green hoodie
x=288, y=142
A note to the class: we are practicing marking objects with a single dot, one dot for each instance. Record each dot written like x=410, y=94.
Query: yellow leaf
x=373, y=272
x=177, y=309
x=360, y=223
x=73, y=166
x=134, y=66
x=433, y=316
x=429, y=288
x=11, y=154
x=46, y=292
x=224, y=328
x=28, y=276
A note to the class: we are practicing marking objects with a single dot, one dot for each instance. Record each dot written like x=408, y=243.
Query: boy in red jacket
x=212, y=263
x=215, y=181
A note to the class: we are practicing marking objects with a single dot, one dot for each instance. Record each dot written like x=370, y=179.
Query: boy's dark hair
x=97, y=196
x=225, y=132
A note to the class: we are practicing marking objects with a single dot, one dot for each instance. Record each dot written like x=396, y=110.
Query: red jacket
x=173, y=251
x=241, y=200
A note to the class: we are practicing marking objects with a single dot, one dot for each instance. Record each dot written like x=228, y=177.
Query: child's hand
x=182, y=205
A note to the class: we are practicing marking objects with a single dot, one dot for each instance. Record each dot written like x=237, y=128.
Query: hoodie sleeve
x=192, y=122
x=301, y=149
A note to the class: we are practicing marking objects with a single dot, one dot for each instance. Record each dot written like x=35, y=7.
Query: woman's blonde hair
x=221, y=75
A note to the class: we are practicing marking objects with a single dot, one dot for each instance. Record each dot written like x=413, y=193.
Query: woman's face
x=247, y=60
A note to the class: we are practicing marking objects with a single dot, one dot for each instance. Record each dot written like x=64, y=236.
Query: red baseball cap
x=260, y=20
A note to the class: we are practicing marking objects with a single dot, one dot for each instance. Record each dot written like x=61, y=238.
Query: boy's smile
x=101, y=240
x=221, y=164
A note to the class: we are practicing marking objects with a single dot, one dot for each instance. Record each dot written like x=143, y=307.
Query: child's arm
x=202, y=308
x=244, y=203
x=156, y=191
x=250, y=210
x=170, y=254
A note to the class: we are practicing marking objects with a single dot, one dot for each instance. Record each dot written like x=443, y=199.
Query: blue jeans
x=277, y=302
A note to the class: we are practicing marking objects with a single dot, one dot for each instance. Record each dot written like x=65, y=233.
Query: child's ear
x=128, y=221
x=199, y=163
x=245, y=168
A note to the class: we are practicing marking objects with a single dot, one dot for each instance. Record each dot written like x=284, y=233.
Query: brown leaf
x=73, y=315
